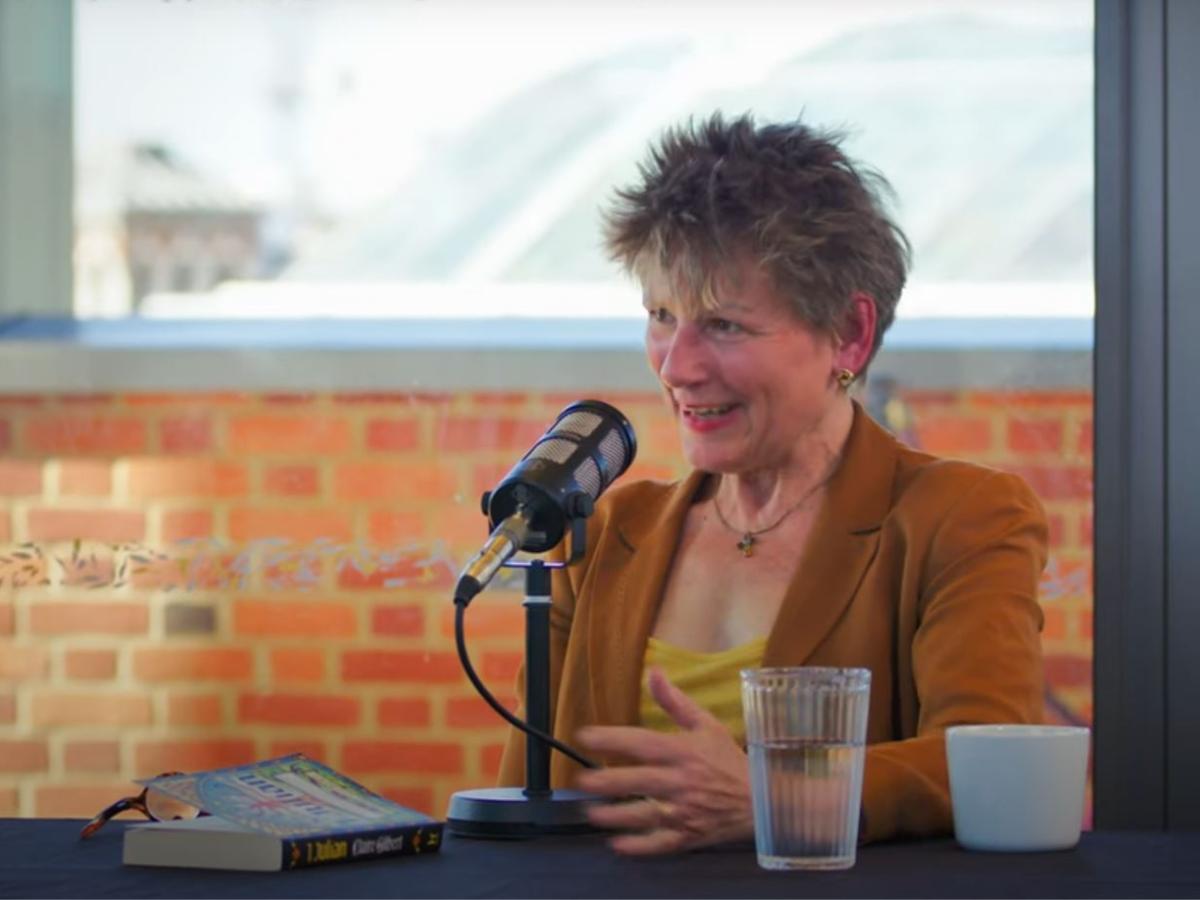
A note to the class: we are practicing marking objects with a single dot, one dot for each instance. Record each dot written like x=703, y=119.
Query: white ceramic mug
x=1017, y=787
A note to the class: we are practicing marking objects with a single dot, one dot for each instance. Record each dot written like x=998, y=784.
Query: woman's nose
x=682, y=360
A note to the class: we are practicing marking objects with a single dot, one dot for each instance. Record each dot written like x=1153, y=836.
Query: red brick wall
x=194, y=580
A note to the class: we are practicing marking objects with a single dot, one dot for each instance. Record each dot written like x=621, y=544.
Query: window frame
x=1147, y=483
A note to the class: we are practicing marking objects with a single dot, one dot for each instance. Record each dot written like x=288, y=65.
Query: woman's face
x=746, y=381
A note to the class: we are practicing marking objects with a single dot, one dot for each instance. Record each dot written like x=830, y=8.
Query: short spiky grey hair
x=783, y=195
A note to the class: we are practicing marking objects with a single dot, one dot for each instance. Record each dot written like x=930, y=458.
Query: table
x=44, y=858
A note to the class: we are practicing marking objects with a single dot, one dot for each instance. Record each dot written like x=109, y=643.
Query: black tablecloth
x=44, y=858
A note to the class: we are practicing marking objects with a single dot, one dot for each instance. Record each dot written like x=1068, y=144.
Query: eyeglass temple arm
x=102, y=817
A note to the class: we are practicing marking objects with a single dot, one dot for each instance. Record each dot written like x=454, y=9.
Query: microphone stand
x=536, y=809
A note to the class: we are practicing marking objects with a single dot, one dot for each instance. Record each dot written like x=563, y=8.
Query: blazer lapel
x=844, y=540
x=619, y=621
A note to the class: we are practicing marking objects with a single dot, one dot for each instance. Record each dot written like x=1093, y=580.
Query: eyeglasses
x=154, y=805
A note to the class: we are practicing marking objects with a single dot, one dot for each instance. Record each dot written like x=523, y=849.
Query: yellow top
x=710, y=679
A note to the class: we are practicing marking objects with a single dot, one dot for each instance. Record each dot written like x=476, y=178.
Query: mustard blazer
x=923, y=570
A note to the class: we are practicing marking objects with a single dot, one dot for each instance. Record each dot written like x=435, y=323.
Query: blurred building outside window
x=362, y=159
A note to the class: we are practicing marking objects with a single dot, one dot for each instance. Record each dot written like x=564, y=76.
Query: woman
x=805, y=534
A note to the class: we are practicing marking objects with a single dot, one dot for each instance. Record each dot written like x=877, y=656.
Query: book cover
x=280, y=813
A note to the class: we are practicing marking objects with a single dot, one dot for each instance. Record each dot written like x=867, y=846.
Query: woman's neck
x=754, y=498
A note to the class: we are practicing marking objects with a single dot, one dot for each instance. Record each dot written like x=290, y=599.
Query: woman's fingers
x=683, y=710
x=653, y=826
x=629, y=741
x=661, y=840
x=632, y=815
x=627, y=781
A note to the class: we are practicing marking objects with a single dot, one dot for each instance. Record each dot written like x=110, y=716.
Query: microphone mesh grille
x=613, y=449
x=580, y=424
x=588, y=476
x=556, y=449
x=563, y=441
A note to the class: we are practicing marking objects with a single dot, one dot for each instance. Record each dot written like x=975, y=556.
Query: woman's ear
x=856, y=337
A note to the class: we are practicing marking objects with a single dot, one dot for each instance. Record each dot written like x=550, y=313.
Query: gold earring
x=845, y=378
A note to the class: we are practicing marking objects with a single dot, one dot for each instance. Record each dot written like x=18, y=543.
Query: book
x=282, y=813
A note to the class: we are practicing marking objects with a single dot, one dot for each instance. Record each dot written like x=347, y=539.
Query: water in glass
x=806, y=803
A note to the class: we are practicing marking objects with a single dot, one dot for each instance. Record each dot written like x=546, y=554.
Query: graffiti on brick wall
x=209, y=564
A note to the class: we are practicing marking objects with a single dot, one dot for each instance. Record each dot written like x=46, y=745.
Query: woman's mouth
x=708, y=412
x=707, y=418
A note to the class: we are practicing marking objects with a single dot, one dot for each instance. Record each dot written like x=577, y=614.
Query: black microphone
x=589, y=445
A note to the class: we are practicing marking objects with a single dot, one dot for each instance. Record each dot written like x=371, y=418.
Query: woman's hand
x=690, y=789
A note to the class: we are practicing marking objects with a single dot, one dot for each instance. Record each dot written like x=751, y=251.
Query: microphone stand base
x=511, y=813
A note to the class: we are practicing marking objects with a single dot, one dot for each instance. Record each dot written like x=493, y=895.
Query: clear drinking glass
x=806, y=730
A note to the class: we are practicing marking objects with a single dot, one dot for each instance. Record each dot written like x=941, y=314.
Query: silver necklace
x=750, y=538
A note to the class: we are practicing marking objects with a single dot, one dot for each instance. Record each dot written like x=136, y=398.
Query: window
x=468, y=146
x=301, y=491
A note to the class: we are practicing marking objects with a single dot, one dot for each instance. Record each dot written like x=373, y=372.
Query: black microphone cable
x=460, y=609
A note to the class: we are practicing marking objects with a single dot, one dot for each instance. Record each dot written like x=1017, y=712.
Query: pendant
x=746, y=544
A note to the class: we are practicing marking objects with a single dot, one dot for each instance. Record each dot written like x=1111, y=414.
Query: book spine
x=320, y=850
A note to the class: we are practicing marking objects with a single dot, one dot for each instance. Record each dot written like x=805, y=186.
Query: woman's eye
x=724, y=326
x=660, y=315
